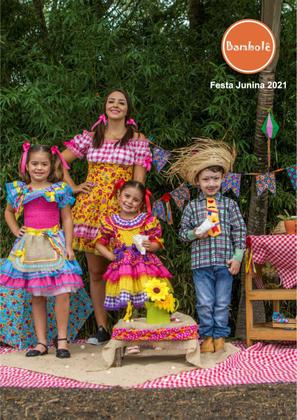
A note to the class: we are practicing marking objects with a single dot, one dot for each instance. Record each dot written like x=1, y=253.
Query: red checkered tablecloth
x=280, y=251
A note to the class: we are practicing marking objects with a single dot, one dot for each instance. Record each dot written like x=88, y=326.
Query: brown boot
x=207, y=345
x=219, y=343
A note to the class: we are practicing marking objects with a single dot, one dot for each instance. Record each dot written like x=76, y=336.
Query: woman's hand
x=85, y=187
x=70, y=253
x=21, y=232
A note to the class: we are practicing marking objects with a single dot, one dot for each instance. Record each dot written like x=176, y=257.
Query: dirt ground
x=234, y=402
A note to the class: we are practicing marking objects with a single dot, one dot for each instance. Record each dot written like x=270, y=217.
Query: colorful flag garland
x=180, y=195
x=265, y=182
x=232, y=181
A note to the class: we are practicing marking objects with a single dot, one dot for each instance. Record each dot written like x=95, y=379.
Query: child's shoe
x=101, y=337
x=207, y=345
x=219, y=343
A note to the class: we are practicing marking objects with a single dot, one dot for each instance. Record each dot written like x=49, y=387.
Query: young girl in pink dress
x=42, y=260
x=130, y=270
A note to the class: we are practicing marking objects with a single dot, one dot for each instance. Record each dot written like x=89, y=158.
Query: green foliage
x=54, y=80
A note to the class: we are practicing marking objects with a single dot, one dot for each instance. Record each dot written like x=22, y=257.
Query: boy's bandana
x=213, y=216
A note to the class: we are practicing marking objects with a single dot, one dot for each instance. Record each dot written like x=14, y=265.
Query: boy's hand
x=234, y=266
x=21, y=232
x=70, y=254
x=202, y=235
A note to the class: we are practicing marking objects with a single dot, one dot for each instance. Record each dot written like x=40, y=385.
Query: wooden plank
x=272, y=294
x=259, y=332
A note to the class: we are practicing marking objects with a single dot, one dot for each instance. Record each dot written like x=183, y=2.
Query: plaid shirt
x=135, y=152
x=217, y=250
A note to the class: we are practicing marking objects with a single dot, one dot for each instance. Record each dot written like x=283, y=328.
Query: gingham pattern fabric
x=135, y=152
x=121, y=301
x=280, y=251
x=214, y=250
x=261, y=363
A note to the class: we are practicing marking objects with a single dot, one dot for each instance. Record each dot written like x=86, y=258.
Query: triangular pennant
x=292, y=173
x=270, y=127
x=160, y=158
x=231, y=181
x=180, y=195
x=158, y=210
x=265, y=182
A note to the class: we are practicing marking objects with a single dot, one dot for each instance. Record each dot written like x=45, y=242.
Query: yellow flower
x=168, y=304
x=156, y=290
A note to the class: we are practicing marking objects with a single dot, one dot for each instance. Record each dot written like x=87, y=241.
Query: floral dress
x=106, y=165
x=127, y=275
x=38, y=262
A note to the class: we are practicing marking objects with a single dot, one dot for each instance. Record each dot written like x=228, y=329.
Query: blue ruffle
x=18, y=194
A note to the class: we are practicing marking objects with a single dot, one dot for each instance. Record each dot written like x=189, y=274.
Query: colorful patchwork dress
x=38, y=261
x=106, y=165
x=126, y=276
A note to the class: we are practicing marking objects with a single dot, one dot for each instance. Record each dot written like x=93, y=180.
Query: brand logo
x=248, y=46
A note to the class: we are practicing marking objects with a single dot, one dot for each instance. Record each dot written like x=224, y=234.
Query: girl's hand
x=70, y=254
x=150, y=246
x=21, y=232
x=234, y=266
x=85, y=187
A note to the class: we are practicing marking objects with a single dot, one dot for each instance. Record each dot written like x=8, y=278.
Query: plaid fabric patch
x=135, y=152
x=114, y=303
x=214, y=250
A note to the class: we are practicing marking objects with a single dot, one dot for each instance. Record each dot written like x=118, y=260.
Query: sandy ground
x=85, y=365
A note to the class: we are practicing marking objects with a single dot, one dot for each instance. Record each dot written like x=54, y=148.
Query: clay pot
x=291, y=226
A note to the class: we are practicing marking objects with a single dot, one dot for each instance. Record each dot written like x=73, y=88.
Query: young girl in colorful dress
x=114, y=149
x=129, y=270
x=42, y=260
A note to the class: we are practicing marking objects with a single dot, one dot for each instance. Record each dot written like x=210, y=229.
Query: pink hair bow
x=117, y=186
x=131, y=122
x=102, y=119
x=26, y=147
x=147, y=163
x=56, y=151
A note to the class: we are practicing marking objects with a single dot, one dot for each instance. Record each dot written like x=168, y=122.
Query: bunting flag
x=270, y=129
x=231, y=181
x=166, y=198
x=160, y=158
x=180, y=195
x=292, y=173
x=265, y=182
x=158, y=210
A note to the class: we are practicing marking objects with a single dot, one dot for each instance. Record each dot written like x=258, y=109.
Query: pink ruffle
x=85, y=231
x=45, y=285
x=118, y=269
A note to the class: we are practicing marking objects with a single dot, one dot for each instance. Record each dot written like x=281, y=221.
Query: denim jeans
x=213, y=286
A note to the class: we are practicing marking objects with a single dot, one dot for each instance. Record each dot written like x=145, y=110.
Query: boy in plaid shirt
x=217, y=250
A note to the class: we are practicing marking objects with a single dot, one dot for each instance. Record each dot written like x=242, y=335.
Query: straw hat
x=202, y=154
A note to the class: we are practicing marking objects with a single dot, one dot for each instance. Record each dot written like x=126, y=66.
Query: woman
x=114, y=149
